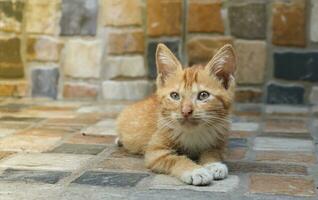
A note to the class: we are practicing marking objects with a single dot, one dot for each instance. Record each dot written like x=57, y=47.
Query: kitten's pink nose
x=187, y=111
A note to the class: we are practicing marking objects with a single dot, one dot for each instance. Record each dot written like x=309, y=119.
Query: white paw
x=218, y=170
x=199, y=176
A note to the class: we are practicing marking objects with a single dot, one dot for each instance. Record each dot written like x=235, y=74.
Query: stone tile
x=112, y=179
x=79, y=17
x=122, y=12
x=282, y=144
x=286, y=66
x=282, y=185
x=252, y=57
x=105, y=127
x=285, y=94
x=244, y=126
x=4, y=154
x=296, y=126
x=127, y=41
x=30, y=176
x=241, y=134
x=286, y=157
x=165, y=182
x=123, y=164
x=123, y=153
x=200, y=11
x=42, y=132
x=20, y=119
x=313, y=19
x=30, y=141
x=313, y=98
x=43, y=16
x=127, y=90
x=237, y=142
x=248, y=95
x=125, y=66
x=75, y=121
x=12, y=107
x=82, y=58
x=13, y=88
x=46, y=161
x=45, y=82
x=91, y=139
x=286, y=110
x=173, y=45
x=164, y=17
x=248, y=20
x=90, y=149
x=11, y=15
x=268, y=168
x=11, y=65
x=72, y=90
x=304, y=136
x=288, y=23
x=201, y=49
x=236, y=154
x=43, y=48
x=6, y=131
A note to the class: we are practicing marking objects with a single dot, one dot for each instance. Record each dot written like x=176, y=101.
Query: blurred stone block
x=80, y=90
x=248, y=95
x=296, y=66
x=248, y=20
x=82, y=58
x=205, y=16
x=313, y=20
x=121, y=12
x=17, y=88
x=127, y=90
x=43, y=48
x=45, y=81
x=127, y=41
x=43, y=16
x=313, y=98
x=164, y=17
x=11, y=65
x=11, y=13
x=125, y=66
x=285, y=94
x=289, y=23
x=201, y=49
x=79, y=17
x=251, y=61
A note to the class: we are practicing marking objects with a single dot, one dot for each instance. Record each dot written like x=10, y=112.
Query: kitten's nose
x=187, y=111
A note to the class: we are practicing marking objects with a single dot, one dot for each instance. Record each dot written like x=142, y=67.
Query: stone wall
x=104, y=49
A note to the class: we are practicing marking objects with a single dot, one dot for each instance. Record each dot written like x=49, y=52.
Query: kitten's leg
x=162, y=159
x=212, y=160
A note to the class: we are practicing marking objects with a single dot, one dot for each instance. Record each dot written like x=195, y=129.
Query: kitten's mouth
x=189, y=122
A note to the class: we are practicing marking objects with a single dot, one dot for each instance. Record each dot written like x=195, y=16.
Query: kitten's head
x=198, y=95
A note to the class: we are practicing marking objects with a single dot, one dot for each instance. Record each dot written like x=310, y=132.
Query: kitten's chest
x=198, y=140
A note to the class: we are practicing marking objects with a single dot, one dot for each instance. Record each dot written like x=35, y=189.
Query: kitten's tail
x=118, y=142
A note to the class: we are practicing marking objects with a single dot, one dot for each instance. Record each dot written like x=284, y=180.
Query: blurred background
x=104, y=49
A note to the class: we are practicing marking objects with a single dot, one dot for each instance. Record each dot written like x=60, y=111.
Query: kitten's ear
x=167, y=64
x=223, y=64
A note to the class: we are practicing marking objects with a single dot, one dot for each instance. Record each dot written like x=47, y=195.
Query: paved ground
x=64, y=150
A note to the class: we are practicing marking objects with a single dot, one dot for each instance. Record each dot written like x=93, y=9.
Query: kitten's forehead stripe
x=190, y=77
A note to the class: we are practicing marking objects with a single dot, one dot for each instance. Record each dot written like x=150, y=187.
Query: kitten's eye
x=203, y=95
x=175, y=95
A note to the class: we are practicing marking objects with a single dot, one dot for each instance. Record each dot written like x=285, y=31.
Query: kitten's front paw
x=219, y=170
x=199, y=176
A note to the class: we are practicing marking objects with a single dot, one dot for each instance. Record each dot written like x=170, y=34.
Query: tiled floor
x=66, y=150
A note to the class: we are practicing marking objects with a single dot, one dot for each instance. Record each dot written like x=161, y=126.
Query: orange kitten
x=182, y=129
